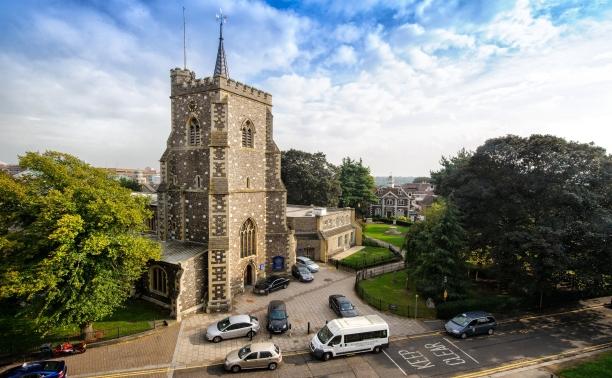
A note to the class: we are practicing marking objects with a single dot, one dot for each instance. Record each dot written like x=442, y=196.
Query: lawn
x=19, y=335
x=390, y=289
x=377, y=231
x=601, y=366
x=368, y=256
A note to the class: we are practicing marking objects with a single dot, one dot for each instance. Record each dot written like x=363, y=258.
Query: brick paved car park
x=306, y=303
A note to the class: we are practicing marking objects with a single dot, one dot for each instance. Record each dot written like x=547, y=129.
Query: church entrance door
x=248, y=276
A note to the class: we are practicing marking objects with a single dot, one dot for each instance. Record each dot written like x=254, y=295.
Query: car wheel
x=327, y=356
x=491, y=330
x=235, y=369
x=285, y=286
x=377, y=349
x=272, y=366
x=463, y=335
x=251, y=334
x=216, y=339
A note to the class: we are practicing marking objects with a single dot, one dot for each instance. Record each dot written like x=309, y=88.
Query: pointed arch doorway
x=249, y=276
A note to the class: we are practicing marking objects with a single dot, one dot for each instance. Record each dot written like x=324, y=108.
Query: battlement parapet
x=185, y=81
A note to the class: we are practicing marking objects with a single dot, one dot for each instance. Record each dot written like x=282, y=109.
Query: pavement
x=306, y=303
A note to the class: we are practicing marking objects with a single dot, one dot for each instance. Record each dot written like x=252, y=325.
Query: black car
x=301, y=273
x=47, y=369
x=277, y=317
x=271, y=283
x=342, y=306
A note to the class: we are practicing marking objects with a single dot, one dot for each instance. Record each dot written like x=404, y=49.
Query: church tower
x=221, y=184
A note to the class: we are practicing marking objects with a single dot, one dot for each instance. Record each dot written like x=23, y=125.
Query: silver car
x=307, y=263
x=254, y=356
x=231, y=327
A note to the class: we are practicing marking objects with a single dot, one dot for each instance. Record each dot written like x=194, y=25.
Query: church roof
x=174, y=252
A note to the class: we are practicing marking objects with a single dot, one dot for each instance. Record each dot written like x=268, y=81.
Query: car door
x=265, y=358
x=250, y=361
x=335, y=344
x=482, y=326
x=471, y=328
x=335, y=307
x=233, y=331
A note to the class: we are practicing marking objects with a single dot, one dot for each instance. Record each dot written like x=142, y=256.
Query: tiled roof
x=174, y=252
x=334, y=231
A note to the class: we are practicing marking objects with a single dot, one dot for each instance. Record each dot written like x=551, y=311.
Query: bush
x=497, y=304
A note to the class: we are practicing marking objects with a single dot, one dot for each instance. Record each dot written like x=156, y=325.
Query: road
x=515, y=344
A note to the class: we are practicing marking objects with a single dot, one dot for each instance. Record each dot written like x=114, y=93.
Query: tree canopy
x=436, y=252
x=357, y=185
x=539, y=208
x=131, y=184
x=70, y=240
x=309, y=178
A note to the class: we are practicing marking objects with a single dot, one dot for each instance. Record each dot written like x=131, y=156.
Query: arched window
x=247, y=238
x=194, y=132
x=158, y=282
x=247, y=134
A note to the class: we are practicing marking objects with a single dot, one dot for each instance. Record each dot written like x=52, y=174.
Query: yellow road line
x=134, y=373
x=553, y=314
x=524, y=363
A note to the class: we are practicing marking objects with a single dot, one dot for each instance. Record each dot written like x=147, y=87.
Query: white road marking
x=395, y=363
x=453, y=344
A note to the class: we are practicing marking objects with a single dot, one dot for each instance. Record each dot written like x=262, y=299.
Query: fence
x=382, y=305
x=365, y=263
x=379, y=243
x=13, y=349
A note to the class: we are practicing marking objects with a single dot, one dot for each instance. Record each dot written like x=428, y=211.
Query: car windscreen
x=461, y=320
x=244, y=351
x=304, y=270
x=278, y=315
x=324, y=335
x=223, y=324
x=52, y=366
x=346, y=306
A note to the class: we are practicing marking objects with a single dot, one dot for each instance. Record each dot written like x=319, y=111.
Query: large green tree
x=309, y=178
x=357, y=185
x=70, y=240
x=436, y=252
x=539, y=208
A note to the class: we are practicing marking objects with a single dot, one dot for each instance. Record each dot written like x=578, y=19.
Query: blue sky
x=398, y=83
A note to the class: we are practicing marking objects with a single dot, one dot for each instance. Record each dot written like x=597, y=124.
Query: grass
x=368, y=256
x=390, y=288
x=19, y=334
x=601, y=366
x=377, y=231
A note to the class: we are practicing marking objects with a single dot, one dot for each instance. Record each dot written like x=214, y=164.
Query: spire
x=221, y=64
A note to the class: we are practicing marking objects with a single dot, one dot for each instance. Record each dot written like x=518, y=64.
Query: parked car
x=307, y=263
x=254, y=356
x=231, y=327
x=46, y=369
x=471, y=323
x=278, y=320
x=270, y=284
x=342, y=306
x=301, y=273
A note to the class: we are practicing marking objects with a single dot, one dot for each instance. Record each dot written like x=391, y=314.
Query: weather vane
x=222, y=19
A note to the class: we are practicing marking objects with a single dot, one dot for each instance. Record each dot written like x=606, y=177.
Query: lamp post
x=416, y=301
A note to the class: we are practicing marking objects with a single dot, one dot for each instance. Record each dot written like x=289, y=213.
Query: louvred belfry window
x=247, y=134
x=247, y=238
x=194, y=132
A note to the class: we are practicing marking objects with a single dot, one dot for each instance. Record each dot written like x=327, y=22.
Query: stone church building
x=221, y=210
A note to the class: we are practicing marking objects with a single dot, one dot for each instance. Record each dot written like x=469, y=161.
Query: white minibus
x=350, y=335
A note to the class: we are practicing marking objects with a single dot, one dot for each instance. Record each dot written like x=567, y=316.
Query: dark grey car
x=471, y=323
x=342, y=306
x=278, y=320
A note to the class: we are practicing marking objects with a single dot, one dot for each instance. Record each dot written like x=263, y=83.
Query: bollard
x=308, y=333
x=325, y=321
x=270, y=333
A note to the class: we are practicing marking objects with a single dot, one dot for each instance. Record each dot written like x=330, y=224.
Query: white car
x=307, y=263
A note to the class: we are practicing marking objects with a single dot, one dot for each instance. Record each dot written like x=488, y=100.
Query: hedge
x=497, y=304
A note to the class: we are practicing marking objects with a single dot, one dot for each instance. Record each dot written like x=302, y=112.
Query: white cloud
x=344, y=55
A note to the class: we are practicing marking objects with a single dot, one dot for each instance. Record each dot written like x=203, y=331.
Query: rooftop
x=174, y=252
x=309, y=211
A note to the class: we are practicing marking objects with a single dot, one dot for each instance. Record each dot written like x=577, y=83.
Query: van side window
x=335, y=341
x=352, y=338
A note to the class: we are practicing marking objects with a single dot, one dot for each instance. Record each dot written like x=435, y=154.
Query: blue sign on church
x=278, y=263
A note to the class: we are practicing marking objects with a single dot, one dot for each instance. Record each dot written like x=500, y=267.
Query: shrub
x=497, y=304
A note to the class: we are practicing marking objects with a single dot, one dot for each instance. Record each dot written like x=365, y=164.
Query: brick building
x=322, y=232
x=407, y=200
x=221, y=208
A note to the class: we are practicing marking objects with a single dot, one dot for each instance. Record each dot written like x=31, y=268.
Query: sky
x=397, y=83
